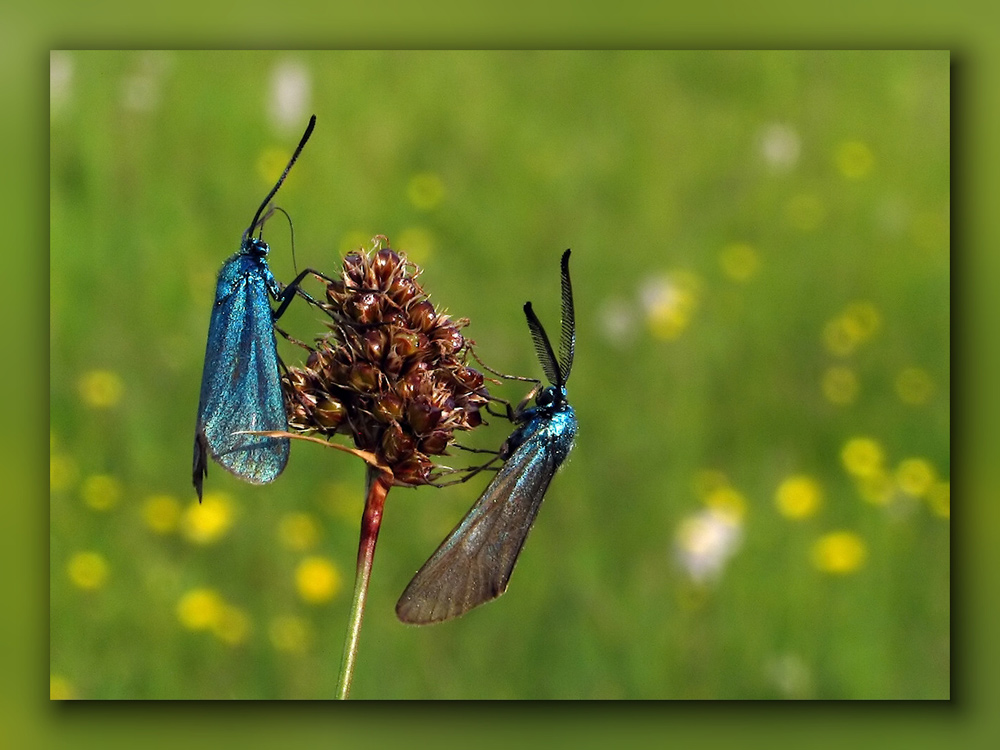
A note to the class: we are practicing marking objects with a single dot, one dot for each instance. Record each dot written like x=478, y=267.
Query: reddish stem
x=378, y=482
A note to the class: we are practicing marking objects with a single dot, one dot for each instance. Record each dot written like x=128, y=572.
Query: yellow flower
x=915, y=476
x=839, y=552
x=88, y=570
x=669, y=302
x=231, y=625
x=877, y=488
x=799, y=496
x=101, y=389
x=290, y=634
x=863, y=319
x=728, y=502
x=62, y=471
x=101, y=492
x=425, y=191
x=914, y=386
x=858, y=322
x=317, y=580
x=840, y=385
x=200, y=609
x=862, y=457
x=60, y=689
x=208, y=521
x=417, y=243
x=854, y=159
x=707, y=481
x=161, y=513
x=804, y=212
x=298, y=531
x=739, y=261
x=939, y=499
x=838, y=337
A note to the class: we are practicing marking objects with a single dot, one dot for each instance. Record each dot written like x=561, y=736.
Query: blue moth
x=474, y=563
x=241, y=381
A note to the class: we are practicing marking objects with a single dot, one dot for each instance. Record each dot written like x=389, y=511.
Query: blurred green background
x=758, y=503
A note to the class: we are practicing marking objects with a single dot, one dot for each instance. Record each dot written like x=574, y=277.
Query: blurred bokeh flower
x=839, y=552
x=939, y=499
x=856, y=324
x=728, y=501
x=863, y=457
x=291, y=93
x=200, y=609
x=63, y=471
x=101, y=492
x=231, y=625
x=317, y=580
x=101, y=389
x=142, y=89
x=669, y=301
x=705, y=541
x=840, y=385
x=854, y=159
x=88, y=570
x=877, y=487
x=617, y=319
x=914, y=386
x=791, y=676
x=780, y=145
x=161, y=513
x=799, y=496
x=208, y=521
x=915, y=476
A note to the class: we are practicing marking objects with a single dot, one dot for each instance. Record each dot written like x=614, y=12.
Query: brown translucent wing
x=474, y=563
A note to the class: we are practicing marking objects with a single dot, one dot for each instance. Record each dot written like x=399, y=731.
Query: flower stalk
x=391, y=374
x=378, y=484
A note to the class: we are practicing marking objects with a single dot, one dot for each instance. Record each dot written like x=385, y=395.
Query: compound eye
x=546, y=396
x=258, y=247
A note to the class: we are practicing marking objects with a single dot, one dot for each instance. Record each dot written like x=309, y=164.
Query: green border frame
x=28, y=719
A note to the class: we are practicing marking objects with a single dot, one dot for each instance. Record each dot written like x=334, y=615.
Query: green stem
x=377, y=483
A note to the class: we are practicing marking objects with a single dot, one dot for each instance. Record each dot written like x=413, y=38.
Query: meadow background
x=758, y=503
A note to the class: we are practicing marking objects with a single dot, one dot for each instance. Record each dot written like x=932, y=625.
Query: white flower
x=705, y=541
x=780, y=146
x=291, y=90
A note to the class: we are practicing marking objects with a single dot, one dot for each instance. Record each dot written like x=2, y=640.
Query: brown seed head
x=392, y=371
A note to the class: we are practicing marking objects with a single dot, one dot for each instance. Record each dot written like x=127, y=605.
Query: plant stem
x=377, y=484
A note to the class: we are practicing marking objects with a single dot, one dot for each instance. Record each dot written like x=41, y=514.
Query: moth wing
x=474, y=563
x=241, y=388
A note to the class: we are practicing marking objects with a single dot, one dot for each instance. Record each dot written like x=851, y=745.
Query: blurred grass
x=727, y=211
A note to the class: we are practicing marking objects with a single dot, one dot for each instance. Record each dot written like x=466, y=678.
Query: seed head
x=391, y=372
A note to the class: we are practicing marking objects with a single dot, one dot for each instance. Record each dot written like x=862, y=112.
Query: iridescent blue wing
x=473, y=565
x=241, y=382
